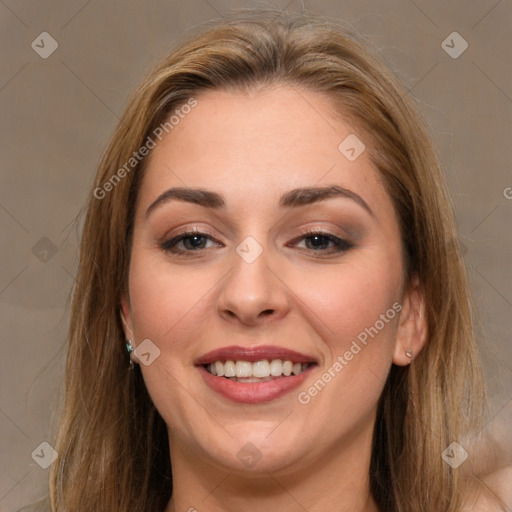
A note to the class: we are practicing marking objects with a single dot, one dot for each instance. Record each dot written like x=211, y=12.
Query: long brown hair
x=112, y=443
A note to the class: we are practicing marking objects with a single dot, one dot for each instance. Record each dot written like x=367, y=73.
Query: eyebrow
x=291, y=199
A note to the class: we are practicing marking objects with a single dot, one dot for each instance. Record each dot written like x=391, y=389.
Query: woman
x=270, y=239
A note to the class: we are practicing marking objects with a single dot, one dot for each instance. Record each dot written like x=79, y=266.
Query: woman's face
x=253, y=293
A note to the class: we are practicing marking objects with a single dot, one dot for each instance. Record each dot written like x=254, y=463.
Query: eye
x=321, y=242
x=190, y=241
x=195, y=241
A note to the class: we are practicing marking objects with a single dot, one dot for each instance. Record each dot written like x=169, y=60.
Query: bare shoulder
x=492, y=493
x=500, y=482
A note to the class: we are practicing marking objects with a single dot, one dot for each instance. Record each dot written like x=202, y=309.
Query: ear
x=412, y=326
x=126, y=317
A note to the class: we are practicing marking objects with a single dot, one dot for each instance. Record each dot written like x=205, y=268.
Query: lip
x=254, y=392
x=253, y=354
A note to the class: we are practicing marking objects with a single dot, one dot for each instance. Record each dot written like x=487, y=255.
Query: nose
x=252, y=293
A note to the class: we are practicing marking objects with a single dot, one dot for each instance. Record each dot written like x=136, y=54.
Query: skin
x=488, y=470
x=252, y=148
x=492, y=493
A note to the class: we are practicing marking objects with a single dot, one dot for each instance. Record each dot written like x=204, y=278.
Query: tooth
x=229, y=369
x=219, y=368
x=257, y=370
x=276, y=367
x=243, y=369
x=261, y=369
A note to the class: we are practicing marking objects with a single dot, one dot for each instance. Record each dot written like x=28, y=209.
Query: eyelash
x=341, y=245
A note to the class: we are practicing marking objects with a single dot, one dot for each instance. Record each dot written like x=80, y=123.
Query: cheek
x=165, y=300
x=168, y=308
x=358, y=307
x=351, y=297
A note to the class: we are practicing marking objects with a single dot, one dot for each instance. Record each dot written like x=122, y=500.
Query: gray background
x=57, y=114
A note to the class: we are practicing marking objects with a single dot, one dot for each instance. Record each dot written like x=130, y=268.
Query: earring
x=409, y=352
x=129, y=350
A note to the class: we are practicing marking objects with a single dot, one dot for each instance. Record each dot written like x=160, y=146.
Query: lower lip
x=253, y=392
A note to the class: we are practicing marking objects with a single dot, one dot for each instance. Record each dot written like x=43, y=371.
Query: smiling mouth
x=257, y=371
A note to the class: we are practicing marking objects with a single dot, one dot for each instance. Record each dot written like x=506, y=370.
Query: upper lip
x=238, y=353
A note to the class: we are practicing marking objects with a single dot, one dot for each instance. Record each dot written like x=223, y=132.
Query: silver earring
x=409, y=352
x=129, y=350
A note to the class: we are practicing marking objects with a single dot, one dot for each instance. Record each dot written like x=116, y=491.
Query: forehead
x=258, y=145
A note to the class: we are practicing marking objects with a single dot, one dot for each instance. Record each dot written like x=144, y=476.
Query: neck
x=339, y=481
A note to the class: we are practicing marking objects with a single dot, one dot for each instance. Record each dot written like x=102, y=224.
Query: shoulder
x=491, y=493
